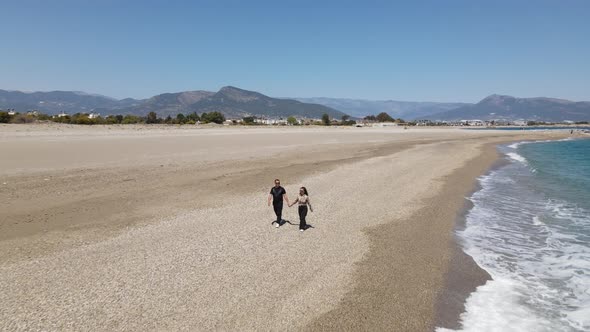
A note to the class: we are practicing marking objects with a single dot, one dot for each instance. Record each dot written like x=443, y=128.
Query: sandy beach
x=167, y=228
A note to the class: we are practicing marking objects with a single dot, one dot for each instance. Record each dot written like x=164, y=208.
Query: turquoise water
x=562, y=169
x=529, y=228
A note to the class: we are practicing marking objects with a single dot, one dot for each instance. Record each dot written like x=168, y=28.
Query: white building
x=424, y=123
x=93, y=115
x=385, y=124
x=270, y=121
x=519, y=123
x=62, y=114
x=473, y=122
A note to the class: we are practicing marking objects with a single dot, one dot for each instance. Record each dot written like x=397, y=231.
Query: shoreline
x=375, y=303
x=464, y=275
x=370, y=305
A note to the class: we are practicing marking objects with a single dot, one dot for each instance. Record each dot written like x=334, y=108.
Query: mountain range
x=57, y=101
x=407, y=110
x=231, y=101
x=236, y=103
x=499, y=107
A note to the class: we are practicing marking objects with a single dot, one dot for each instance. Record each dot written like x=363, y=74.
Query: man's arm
x=269, y=199
x=286, y=198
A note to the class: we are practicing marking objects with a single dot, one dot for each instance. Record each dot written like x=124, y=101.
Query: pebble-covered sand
x=188, y=244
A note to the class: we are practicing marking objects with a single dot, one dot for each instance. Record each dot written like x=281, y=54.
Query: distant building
x=93, y=115
x=500, y=123
x=11, y=112
x=271, y=121
x=33, y=113
x=519, y=123
x=424, y=123
x=62, y=114
x=385, y=124
x=473, y=122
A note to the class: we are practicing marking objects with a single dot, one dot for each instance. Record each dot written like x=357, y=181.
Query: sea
x=529, y=228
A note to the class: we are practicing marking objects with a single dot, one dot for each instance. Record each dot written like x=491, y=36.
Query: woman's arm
x=309, y=203
x=296, y=200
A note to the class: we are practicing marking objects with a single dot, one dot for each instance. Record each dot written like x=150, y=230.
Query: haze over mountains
x=236, y=103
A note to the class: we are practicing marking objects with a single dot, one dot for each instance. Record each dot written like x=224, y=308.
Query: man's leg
x=278, y=207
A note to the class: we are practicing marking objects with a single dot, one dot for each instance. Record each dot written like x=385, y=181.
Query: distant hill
x=56, y=101
x=498, y=107
x=163, y=104
x=407, y=110
x=231, y=101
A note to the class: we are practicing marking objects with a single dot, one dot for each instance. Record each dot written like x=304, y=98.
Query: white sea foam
x=496, y=306
x=517, y=144
x=539, y=262
x=517, y=157
x=537, y=221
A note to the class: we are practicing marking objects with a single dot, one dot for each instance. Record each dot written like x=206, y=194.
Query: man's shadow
x=284, y=222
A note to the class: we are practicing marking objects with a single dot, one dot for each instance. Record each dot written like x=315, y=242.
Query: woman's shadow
x=284, y=222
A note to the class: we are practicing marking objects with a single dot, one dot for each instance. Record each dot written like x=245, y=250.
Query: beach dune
x=159, y=228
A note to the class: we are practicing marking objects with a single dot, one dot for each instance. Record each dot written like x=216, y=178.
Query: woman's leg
x=302, y=215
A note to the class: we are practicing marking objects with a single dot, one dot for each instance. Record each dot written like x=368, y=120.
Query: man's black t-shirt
x=277, y=194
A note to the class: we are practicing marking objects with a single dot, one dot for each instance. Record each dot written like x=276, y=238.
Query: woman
x=302, y=201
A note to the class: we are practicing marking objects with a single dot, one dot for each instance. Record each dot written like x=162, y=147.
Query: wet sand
x=151, y=228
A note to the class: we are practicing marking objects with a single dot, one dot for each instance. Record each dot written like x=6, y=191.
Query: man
x=278, y=194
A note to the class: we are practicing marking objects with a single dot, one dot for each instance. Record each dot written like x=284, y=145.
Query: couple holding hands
x=278, y=194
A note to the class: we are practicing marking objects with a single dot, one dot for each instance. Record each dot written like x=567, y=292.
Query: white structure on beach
x=62, y=114
x=93, y=115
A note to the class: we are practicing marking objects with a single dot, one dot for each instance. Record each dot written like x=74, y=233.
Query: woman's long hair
x=305, y=191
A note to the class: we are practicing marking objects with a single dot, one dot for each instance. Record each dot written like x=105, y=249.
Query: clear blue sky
x=416, y=50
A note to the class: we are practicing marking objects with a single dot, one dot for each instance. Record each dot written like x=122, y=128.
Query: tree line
x=180, y=118
x=383, y=117
x=345, y=120
x=85, y=119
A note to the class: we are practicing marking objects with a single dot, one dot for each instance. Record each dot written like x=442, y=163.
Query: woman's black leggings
x=302, y=215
